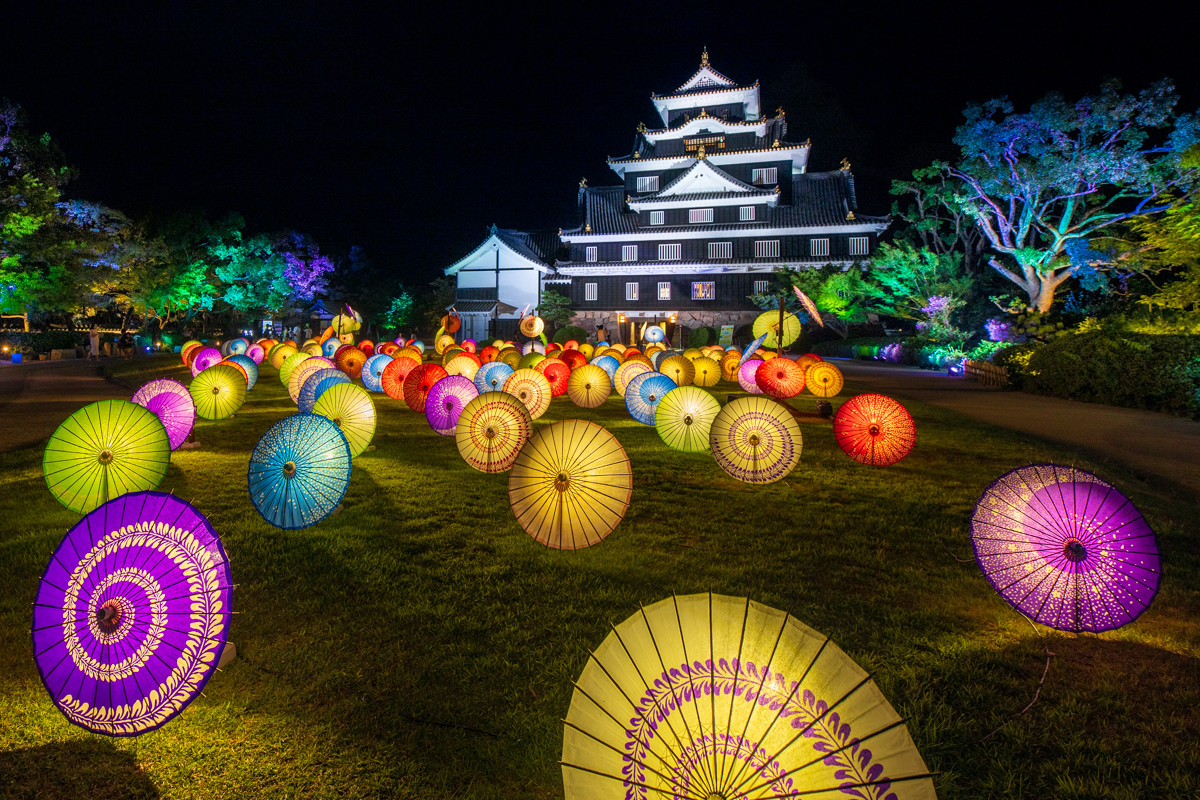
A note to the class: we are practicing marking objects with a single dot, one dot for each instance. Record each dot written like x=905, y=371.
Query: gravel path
x=36, y=397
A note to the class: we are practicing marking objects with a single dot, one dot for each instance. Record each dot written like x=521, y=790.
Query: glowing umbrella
x=556, y=374
x=530, y=360
x=531, y=388
x=654, y=334
x=256, y=353
x=442, y=343
x=186, y=350
x=809, y=306
x=394, y=374
x=488, y=354
x=350, y=360
x=684, y=418
x=352, y=410
x=218, y=391
x=807, y=360
x=205, y=358
x=766, y=325
x=626, y=373
x=589, y=386
x=491, y=431
x=289, y=365
x=779, y=377
x=573, y=358
x=248, y=366
x=465, y=364
x=172, y=403
x=747, y=375
x=756, y=440
x=711, y=697
x=1065, y=548
x=298, y=375
x=609, y=364
x=570, y=484
x=372, y=372
x=874, y=429
x=729, y=365
x=330, y=346
x=131, y=615
x=236, y=347
x=280, y=353
x=299, y=471
x=749, y=351
x=510, y=356
x=105, y=450
x=316, y=383
x=823, y=379
x=707, y=372
x=532, y=326
x=679, y=369
x=418, y=382
x=492, y=375
x=451, y=322
x=446, y=400
x=644, y=393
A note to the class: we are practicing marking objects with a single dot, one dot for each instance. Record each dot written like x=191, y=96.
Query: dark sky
x=407, y=132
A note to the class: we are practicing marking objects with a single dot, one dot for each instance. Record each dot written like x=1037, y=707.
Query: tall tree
x=932, y=217
x=1040, y=182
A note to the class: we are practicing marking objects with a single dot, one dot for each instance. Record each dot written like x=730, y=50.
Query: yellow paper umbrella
x=627, y=372
x=532, y=326
x=531, y=388
x=570, y=484
x=290, y=363
x=756, y=439
x=218, y=391
x=351, y=408
x=729, y=365
x=692, y=353
x=442, y=343
x=491, y=431
x=823, y=379
x=587, y=349
x=711, y=697
x=589, y=386
x=684, y=418
x=303, y=371
x=279, y=353
x=510, y=356
x=679, y=369
x=708, y=372
x=463, y=364
x=768, y=323
x=807, y=360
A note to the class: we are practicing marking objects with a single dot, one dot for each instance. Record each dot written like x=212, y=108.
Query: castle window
x=589, y=291
x=647, y=183
x=656, y=217
x=592, y=253
x=859, y=245
x=670, y=252
x=760, y=287
x=704, y=290
x=765, y=176
x=720, y=249
x=700, y=215
x=767, y=248
x=664, y=290
x=746, y=214
x=629, y=252
x=631, y=291
x=818, y=247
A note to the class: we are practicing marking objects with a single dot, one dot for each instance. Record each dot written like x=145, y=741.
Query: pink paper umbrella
x=172, y=403
x=205, y=359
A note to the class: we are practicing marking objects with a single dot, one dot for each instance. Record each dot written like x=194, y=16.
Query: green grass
x=420, y=644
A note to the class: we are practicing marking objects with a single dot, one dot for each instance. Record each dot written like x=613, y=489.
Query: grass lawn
x=420, y=644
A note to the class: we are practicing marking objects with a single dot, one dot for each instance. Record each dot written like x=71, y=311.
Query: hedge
x=570, y=332
x=43, y=341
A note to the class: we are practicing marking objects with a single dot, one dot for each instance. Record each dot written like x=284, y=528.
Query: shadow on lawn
x=91, y=767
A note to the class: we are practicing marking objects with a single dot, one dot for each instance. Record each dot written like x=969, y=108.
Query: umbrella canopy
x=707, y=696
x=626, y=373
x=807, y=360
x=316, y=383
x=573, y=358
x=442, y=343
x=446, y=400
x=570, y=484
x=465, y=364
x=530, y=360
x=185, y=351
x=510, y=356
x=1065, y=548
x=747, y=376
x=684, y=418
x=532, y=326
x=256, y=353
x=488, y=353
x=644, y=393
x=729, y=365
x=394, y=374
x=237, y=346
x=780, y=377
x=491, y=431
x=748, y=353
x=589, y=386
x=289, y=366
x=451, y=322
x=556, y=374
x=218, y=391
x=350, y=360
x=303, y=371
x=609, y=364
x=280, y=353
x=756, y=440
x=874, y=429
x=767, y=324
x=679, y=369
x=809, y=306
x=707, y=371
x=204, y=358
x=352, y=410
x=531, y=388
x=330, y=346
x=418, y=382
x=299, y=471
x=172, y=403
x=654, y=334
x=823, y=379
x=104, y=450
x=132, y=613
x=248, y=365
x=372, y=372
x=491, y=376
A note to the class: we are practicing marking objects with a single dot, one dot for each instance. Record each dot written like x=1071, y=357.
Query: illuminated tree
x=1039, y=182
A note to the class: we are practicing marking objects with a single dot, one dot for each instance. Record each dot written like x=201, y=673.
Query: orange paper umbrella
x=418, y=382
x=451, y=322
x=679, y=369
x=570, y=485
x=488, y=354
x=394, y=374
x=780, y=377
x=350, y=360
x=824, y=379
x=573, y=358
x=531, y=388
x=589, y=386
x=807, y=360
x=626, y=373
x=874, y=429
x=491, y=431
x=729, y=365
x=557, y=374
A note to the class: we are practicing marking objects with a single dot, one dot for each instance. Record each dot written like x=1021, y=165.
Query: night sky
x=409, y=133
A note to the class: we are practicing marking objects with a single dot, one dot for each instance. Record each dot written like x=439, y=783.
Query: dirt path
x=1142, y=441
x=36, y=397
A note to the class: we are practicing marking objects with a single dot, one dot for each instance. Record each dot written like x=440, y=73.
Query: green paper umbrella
x=684, y=418
x=351, y=407
x=105, y=450
x=218, y=391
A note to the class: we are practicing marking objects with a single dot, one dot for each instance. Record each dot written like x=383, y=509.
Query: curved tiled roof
x=604, y=210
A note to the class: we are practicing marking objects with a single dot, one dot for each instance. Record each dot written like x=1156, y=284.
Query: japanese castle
x=709, y=204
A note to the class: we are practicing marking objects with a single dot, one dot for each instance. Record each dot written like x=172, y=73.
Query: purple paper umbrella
x=172, y=403
x=1065, y=548
x=446, y=400
x=256, y=353
x=205, y=359
x=131, y=614
x=747, y=376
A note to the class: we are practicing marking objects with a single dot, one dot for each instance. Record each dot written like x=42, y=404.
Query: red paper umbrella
x=557, y=373
x=488, y=354
x=394, y=374
x=387, y=348
x=780, y=377
x=573, y=358
x=874, y=429
x=367, y=346
x=418, y=383
x=350, y=360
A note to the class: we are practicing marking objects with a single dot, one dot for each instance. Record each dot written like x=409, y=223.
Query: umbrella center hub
x=873, y=429
x=562, y=481
x=754, y=439
x=1074, y=550
x=216, y=390
x=687, y=420
x=106, y=457
x=289, y=469
x=108, y=616
x=490, y=433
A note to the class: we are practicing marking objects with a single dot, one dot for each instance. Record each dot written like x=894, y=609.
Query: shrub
x=699, y=337
x=570, y=332
x=42, y=341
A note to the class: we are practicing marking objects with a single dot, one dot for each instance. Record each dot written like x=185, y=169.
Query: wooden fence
x=986, y=373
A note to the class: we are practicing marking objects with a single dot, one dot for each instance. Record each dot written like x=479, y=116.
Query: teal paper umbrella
x=299, y=471
x=248, y=364
x=372, y=373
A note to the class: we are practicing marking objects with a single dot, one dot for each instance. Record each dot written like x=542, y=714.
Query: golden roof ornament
x=587, y=228
x=641, y=127
x=637, y=154
x=779, y=113
x=583, y=183
x=704, y=57
x=628, y=199
x=849, y=216
x=776, y=142
x=845, y=165
x=700, y=153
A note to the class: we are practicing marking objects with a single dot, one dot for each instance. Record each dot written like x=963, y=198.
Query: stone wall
x=589, y=320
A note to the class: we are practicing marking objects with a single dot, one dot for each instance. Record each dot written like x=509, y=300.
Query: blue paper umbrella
x=299, y=471
x=372, y=373
x=748, y=353
x=330, y=346
x=246, y=363
x=609, y=365
x=644, y=393
x=491, y=376
x=316, y=383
